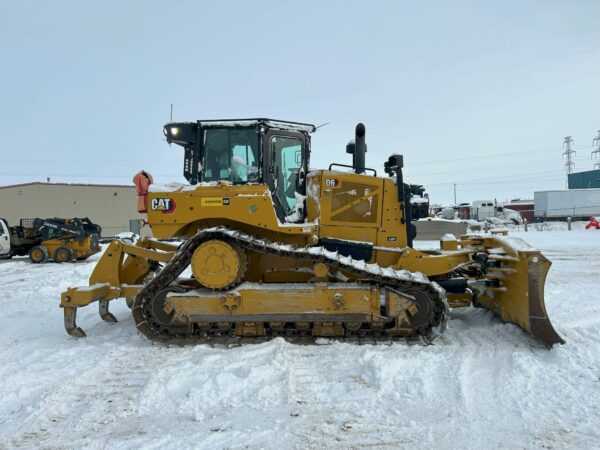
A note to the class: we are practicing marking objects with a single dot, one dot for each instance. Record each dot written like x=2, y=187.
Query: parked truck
x=62, y=240
x=486, y=209
x=579, y=204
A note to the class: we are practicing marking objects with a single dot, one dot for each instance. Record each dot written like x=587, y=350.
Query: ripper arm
x=119, y=273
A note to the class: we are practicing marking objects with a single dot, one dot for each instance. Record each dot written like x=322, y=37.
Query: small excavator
x=271, y=248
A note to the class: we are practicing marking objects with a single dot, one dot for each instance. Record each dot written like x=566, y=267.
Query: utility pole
x=568, y=154
x=596, y=143
x=455, y=193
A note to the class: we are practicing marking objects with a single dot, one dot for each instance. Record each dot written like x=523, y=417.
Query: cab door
x=285, y=156
x=4, y=238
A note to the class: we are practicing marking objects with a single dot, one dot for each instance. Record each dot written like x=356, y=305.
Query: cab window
x=230, y=155
x=286, y=161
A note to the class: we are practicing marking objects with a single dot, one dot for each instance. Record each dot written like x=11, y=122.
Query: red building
x=525, y=208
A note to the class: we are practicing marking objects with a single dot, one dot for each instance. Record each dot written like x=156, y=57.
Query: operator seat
x=212, y=165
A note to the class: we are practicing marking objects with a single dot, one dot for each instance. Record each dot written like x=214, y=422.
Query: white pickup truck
x=486, y=209
x=4, y=239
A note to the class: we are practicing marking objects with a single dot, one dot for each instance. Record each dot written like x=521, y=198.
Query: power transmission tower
x=568, y=154
x=596, y=143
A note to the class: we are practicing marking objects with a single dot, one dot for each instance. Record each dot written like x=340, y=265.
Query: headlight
x=170, y=130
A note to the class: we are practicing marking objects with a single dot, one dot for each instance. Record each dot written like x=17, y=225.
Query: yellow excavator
x=273, y=248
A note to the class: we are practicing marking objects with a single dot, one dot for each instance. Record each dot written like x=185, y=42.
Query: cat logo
x=164, y=205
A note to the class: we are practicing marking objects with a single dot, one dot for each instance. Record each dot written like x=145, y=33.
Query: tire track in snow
x=101, y=397
x=338, y=401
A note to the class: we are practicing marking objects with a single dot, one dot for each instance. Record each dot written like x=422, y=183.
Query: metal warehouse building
x=113, y=207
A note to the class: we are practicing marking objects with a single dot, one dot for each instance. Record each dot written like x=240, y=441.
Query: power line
x=410, y=172
x=523, y=152
x=465, y=144
x=495, y=180
x=315, y=155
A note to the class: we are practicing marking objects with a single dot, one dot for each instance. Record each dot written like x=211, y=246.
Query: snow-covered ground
x=483, y=384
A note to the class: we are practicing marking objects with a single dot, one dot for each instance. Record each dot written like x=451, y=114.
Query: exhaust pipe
x=358, y=148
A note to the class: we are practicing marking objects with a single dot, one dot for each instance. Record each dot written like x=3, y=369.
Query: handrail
x=351, y=167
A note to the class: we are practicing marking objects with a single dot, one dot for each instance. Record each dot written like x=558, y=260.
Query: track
x=399, y=280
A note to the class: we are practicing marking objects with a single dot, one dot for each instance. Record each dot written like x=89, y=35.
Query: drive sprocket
x=218, y=264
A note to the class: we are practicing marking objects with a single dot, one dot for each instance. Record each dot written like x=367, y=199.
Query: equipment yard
x=483, y=383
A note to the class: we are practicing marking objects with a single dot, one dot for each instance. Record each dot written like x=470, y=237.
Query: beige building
x=113, y=207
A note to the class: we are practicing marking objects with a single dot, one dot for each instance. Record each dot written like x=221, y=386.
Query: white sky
x=475, y=93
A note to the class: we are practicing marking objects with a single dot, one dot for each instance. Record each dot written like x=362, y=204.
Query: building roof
x=519, y=201
x=67, y=184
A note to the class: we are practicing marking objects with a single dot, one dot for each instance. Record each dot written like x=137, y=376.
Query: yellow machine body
x=254, y=275
x=60, y=240
x=82, y=248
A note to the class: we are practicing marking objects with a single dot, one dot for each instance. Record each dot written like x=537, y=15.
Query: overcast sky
x=476, y=93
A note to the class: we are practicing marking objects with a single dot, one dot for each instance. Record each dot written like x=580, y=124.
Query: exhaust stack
x=358, y=148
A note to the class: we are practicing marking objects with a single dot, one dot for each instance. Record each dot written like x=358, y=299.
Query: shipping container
x=578, y=204
x=584, y=180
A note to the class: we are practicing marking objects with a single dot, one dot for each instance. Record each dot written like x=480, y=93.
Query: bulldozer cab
x=249, y=151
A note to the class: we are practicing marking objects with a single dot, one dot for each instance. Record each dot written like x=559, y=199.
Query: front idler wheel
x=423, y=317
x=157, y=305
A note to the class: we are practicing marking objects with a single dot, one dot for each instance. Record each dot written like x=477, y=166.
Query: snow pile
x=418, y=199
x=556, y=226
x=483, y=384
x=298, y=211
x=174, y=186
x=448, y=237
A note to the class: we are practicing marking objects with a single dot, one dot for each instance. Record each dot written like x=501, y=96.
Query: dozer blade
x=520, y=298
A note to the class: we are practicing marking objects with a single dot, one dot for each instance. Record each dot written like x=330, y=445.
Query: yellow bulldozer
x=273, y=248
